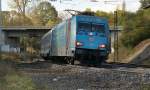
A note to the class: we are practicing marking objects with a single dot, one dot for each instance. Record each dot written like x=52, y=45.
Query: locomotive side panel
x=71, y=31
x=46, y=44
x=59, y=40
x=64, y=37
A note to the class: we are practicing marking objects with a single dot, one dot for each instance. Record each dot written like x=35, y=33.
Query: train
x=84, y=38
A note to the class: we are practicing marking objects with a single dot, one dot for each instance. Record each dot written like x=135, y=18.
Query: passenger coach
x=82, y=37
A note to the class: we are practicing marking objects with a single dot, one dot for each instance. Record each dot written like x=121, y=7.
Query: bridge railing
x=41, y=27
x=24, y=27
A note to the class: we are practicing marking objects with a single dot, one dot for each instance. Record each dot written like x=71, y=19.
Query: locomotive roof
x=102, y=18
x=87, y=13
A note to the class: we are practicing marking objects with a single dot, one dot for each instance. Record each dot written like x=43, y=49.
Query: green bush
x=136, y=28
x=132, y=38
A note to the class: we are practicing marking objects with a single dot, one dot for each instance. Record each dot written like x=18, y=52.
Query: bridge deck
x=24, y=27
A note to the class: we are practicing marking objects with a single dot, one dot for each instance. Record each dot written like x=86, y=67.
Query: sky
x=80, y=5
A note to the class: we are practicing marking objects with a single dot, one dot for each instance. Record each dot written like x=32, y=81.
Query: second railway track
x=48, y=66
x=45, y=64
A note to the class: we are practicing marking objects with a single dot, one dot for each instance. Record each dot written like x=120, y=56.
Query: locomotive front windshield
x=90, y=27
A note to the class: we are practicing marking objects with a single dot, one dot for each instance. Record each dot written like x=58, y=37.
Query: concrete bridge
x=10, y=36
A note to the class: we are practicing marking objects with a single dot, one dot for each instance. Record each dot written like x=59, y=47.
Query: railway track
x=110, y=76
x=49, y=67
x=127, y=65
x=44, y=64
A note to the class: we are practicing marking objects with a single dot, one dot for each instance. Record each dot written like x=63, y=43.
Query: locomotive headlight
x=79, y=44
x=91, y=34
x=102, y=46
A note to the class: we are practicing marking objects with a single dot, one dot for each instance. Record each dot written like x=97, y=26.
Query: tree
x=20, y=5
x=13, y=18
x=44, y=12
x=24, y=42
x=88, y=9
x=29, y=42
x=20, y=17
x=53, y=22
x=108, y=16
x=136, y=27
x=128, y=24
x=144, y=3
x=5, y=18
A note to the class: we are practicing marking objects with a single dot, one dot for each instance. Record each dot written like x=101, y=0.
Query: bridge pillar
x=1, y=34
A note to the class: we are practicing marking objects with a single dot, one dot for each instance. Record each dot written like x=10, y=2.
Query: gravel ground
x=68, y=77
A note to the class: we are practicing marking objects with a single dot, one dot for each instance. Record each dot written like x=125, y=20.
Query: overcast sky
x=80, y=5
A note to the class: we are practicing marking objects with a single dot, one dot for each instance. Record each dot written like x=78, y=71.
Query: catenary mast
x=0, y=26
x=0, y=29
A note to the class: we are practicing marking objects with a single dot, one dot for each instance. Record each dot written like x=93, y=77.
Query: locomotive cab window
x=98, y=28
x=84, y=27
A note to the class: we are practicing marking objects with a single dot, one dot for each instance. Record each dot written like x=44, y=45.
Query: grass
x=146, y=61
x=10, y=79
x=126, y=52
x=146, y=87
x=123, y=55
x=10, y=57
x=15, y=57
x=18, y=82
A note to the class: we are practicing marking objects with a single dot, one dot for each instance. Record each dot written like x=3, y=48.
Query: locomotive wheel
x=86, y=61
x=70, y=60
x=99, y=60
x=82, y=60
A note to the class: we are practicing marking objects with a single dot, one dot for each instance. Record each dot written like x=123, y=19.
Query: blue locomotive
x=82, y=37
